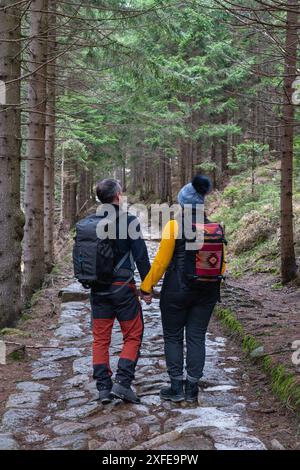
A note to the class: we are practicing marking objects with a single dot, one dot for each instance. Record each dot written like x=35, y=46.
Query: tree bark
x=62, y=194
x=83, y=194
x=214, y=160
x=69, y=201
x=34, y=266
x=124, y=182
x=11, y=216
x=224, y=153
x=183, y=162
x=49, y=174
x=164, y=179
x=288, y=261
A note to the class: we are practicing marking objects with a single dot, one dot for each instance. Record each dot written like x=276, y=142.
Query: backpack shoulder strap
x=118, y=266
x=131, y=260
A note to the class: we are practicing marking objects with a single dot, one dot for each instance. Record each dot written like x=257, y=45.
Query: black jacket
x=137, y=246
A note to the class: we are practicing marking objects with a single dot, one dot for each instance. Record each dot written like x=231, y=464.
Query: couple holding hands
x=190, y=291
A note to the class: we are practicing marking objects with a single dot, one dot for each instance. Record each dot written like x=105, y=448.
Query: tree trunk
x=62, y=194
x=224, y=154
x=91, y=183
x=288, y=261
x=34, y=261
x=214, y=160
x=164, y=179
x=124, y=183
x=83, y=194
x=11, y=216
x=69, y=202
x=184, y=162
x=49, y=175
x=252, y=170
x=73, y=202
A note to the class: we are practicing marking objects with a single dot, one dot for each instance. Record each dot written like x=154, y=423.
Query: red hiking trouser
x=120, y=303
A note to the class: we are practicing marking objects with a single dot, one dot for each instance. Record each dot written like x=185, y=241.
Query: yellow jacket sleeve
x=163, y=256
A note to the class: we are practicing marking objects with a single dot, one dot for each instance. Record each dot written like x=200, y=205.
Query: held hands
x=146, y=297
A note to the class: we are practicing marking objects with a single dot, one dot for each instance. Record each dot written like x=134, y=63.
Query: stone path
x=57, y=409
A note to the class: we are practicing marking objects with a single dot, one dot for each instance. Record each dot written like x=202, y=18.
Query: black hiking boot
x=105, y=396
x=125, y=393
x=174, y=392
x=104, y=388
x=191, y=391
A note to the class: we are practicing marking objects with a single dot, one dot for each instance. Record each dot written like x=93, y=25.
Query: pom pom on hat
x=202, y=184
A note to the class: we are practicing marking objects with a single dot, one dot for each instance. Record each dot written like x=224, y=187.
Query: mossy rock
x=14, y=332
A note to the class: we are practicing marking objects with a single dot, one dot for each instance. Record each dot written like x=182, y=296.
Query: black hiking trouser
x=120, y=303
x=186, y=310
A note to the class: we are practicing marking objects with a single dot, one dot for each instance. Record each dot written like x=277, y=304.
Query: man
x=119, y=300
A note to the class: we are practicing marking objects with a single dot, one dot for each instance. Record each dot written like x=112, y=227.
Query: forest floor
x=269, y=312
x=271, y=316
x=48, y=398
x=35, y=327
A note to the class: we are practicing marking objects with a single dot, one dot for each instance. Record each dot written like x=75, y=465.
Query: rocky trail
x=58, y=407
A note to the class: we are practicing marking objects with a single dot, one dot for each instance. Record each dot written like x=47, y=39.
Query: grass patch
x=277, y=286
x=252, y=221
x=55, y=270
x=285, y=385
x=18, y=355
x=35, y=297
x=14, y=332
x=263, y=258
x=229, y=320
x=249, y=344
x=25, y=317
x=67, y=258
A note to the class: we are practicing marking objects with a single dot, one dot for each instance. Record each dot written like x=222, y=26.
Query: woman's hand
x=146, y=297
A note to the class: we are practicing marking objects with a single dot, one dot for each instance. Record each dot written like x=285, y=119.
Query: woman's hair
x=202, y=184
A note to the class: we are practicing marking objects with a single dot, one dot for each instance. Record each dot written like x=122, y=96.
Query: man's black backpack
x=94, y=258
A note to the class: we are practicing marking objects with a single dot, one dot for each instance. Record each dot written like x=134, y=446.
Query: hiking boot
x=125, y=393
x=174, y=392
x=105, y=396
x=191, y=391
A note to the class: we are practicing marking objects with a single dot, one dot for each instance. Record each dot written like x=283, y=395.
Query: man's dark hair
x=107, y=190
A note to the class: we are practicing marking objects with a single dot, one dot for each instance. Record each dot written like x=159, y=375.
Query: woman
x=184, y=307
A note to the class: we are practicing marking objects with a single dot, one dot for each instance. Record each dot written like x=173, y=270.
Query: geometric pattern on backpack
x=210, y=256
x=209, y=260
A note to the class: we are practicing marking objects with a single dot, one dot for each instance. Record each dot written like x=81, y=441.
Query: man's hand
x=146, y=297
